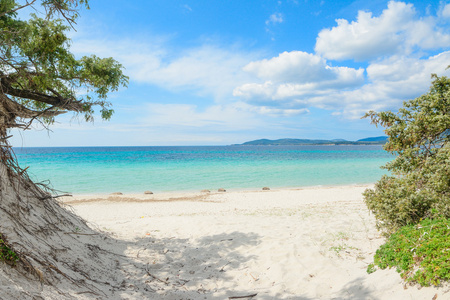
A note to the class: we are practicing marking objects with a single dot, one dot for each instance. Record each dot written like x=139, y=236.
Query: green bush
x=422, y=193
x=412, y=203
x=418, y=186
x=7, y=255
x=420, y=253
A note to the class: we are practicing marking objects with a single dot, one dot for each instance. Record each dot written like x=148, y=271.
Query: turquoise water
x=82, y=170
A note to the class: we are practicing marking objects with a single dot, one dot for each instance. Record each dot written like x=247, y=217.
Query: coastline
x=117, y=195
x=302, y=243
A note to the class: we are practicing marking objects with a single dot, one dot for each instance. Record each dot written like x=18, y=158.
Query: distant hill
x=367, y=141
x=374, y=139
x=286, y=142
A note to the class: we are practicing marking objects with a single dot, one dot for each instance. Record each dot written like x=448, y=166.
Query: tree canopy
x=418, y=186
x=39, y=77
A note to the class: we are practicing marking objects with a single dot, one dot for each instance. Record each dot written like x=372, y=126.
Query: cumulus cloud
x=390, y=82
x=293, y=77
x=397, y=30
x=297, y=81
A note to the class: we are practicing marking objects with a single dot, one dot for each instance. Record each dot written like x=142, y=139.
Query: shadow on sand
x=172, y=268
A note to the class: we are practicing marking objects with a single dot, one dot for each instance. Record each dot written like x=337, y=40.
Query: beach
x=212, y=150
x=305, y=243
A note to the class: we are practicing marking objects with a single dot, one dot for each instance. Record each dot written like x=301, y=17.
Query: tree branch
x=60, y=102
x=20, y=7
x=14, y=109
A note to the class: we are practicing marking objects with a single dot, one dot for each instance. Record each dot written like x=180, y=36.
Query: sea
x=99, y=170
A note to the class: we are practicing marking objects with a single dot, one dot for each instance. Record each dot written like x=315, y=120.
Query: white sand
x=312, y=243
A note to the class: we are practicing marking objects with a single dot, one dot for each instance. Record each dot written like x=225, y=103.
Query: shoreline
x=167, y=195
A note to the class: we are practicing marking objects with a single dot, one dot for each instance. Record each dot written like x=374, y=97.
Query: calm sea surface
x=83, y=170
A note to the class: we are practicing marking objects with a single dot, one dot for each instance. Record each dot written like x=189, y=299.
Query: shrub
x=412, y=204
x=419, y=184
x=420, y=252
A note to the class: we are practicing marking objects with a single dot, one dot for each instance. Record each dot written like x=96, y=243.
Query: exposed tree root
x=54, y=246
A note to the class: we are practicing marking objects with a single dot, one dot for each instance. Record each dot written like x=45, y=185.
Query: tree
x=419, y=184
x=40, y=79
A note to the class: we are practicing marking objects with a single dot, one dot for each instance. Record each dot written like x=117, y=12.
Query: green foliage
x=37, y=69
x=420, y=252
x=413, y=203
x=371, y=268
x=419, y=184
x=7, y=255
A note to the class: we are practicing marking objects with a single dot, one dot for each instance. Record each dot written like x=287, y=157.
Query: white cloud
x=340, y=89
x=207, y=69
x=446, y=11
x=391, y=82
x=293, y=77
x=290, y=66
x=221, y=118
x=187, y=8
x=404, y=77
x=277, y=112
x=397, y=30
x=275, y=18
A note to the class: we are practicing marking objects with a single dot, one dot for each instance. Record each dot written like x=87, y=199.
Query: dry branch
x=242, y=297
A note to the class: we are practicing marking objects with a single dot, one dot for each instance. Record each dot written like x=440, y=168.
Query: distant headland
x=379, y=140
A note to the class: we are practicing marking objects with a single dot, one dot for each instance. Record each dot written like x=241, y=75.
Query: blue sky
x=225, y=72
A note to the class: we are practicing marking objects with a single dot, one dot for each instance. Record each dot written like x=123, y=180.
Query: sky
x=225, y=72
